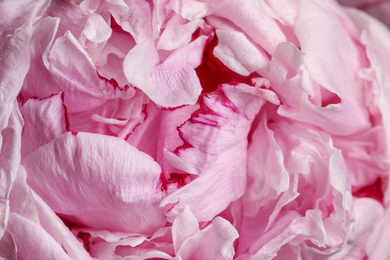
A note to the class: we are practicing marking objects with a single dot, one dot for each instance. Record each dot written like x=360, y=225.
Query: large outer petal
x=15, y=62
x=90, y=178
x=9, y=162
x=37, y=231
x=215, y=143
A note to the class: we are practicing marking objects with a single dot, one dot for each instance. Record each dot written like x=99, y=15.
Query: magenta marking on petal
x=112, y=82
x=185, y=144
x=67, y=124
x=178, y=178
x=144, y=119
x=373, y=190
x=212, y=72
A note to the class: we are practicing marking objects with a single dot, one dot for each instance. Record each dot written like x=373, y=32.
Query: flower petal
x=215, y=141
x=100, y=176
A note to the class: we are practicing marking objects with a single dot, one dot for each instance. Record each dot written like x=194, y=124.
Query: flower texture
x=194, y=129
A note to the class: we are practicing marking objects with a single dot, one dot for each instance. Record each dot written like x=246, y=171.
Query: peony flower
x=219, y=129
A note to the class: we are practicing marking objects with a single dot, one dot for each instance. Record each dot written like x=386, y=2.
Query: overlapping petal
x=96, y=177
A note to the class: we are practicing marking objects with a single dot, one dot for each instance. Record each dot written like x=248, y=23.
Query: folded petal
x=267, y=175
x=215, y=141
x=238, y=53
x=88, y=178
x=75, y=74
x=374, y=36
x=15, y=14
x=43, y=121
x=171, y=83
x=251, y=18
x=39, y=82
x=213, y=242
x=9, y=162
x=14, y=57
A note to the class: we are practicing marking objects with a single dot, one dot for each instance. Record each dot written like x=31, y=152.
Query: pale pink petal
x=39, y=82
x=8, y=248
x=34, y=242
x=184, y=226
x=15, y=14
x=335, y=70
x=116, y=117
x=193, y=9
x=366, y=212
x=133, y=16
x=88, y=178
x=213, y=242
x=76, y=75
x=365, y=155
x=113, y=245
x=286, y=10
x=318, y=220
x=177, y=33
x=215, y=141
x=377, y=246
x=14, y=57
x=43, y=121
x=264, y=157
x=96, y=29
x=173, y=82
x=374, y=36
x=58, y=231
x=251, y=19
x=9, y=162
x=26, y=205
x=109, y=62
x=238, y=53
x=291, y=80
x=147, y=139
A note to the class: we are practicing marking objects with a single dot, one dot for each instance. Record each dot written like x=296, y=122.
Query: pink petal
x=192, y=9
x=250, y=17
x=76, y=75
x=134, y=17
x=292, y=81
x=216, y=132
x=116, y=117
x=375, y=36
x=35, y=214
x=9, y=162
x=33, y=241
x=213, y=242
x=14, y=57
x=376, y=246
x=15, y=14
x=365, y=155
x=184, y=226
x=101, y=176
x=264, y=157
x=366, y=211
x=336, y=69
x=8, y=248
x=43, y=121
x=177, y=33
x=238, y=53
x=173, y=82
x=39, y=82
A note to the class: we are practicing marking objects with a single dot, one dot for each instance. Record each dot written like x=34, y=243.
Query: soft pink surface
x=191, y=129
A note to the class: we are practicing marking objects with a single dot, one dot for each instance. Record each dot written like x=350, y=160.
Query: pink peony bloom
x=172, y=129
